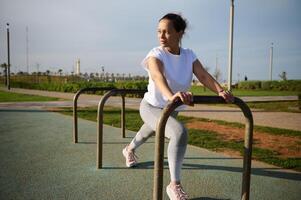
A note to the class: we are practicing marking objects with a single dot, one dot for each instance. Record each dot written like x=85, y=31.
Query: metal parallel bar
x=246, y=181
x=122, y=117
x=159, y=150
x=75, y=126
x=159, y=143
x=101, y=104
x=100, y=127
x=75, y=98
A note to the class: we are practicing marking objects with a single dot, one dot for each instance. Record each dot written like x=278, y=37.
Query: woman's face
x=167, y=34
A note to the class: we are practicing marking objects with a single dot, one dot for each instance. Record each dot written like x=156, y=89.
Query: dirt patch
x=285, y=146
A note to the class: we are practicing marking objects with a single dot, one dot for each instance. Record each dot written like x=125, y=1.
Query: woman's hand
x=186, y=97
x=227, y=95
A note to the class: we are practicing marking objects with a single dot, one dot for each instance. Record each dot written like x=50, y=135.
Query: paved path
x=39, y=161
x=271, y=119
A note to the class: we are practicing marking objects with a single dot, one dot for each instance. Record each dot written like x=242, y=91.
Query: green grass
x=201, y=138
x=15, y=97
x=211, y=140
x=281, y=106
x=267, y=130
x=111, y=116
x=198, y=90
x=269, y=106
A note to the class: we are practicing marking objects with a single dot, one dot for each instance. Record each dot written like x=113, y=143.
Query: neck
x=173, y=50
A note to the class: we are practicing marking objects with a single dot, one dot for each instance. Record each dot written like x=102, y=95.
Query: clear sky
x=117, y=34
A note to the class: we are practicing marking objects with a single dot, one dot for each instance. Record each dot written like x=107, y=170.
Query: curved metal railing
x=101, y=104
x=75, y=98
x=159, y=143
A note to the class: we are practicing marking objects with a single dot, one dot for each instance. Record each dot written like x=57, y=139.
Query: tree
x=48, y=77
x=207, y=69
x=217, y=74
x=107, y=76
x=4, y=65
x=60, y=72
x=20, y=73
x=283, y=76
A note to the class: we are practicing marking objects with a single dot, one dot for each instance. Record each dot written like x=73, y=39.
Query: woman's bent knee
x=177, y=134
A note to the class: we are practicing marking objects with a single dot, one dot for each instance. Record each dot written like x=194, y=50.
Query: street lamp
x=231, y=45
x=8, y=59
x=271, y=61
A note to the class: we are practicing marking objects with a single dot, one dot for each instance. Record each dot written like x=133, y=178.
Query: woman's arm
x=208, y=81
x=155, y=67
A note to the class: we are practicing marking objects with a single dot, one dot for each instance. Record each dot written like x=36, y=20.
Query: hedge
x=289, y=85
x=74, y=87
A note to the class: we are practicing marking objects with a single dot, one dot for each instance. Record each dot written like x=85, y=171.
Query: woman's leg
x=142, y=135
x=174, y=130
x=177, y=134
x=145, y=131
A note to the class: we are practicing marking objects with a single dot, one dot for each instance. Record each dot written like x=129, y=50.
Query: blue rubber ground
x=39, y=161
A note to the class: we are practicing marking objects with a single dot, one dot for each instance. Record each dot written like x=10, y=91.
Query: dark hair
x=179, y=23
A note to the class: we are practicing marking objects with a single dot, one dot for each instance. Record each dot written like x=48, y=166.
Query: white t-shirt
x=178, y=71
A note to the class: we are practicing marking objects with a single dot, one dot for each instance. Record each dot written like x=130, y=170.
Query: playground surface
x=40, y=161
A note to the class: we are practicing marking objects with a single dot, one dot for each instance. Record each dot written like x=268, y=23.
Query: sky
x=117, y=34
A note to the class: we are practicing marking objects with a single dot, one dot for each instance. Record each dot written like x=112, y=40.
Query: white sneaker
x=176, y=192
x=130, y=157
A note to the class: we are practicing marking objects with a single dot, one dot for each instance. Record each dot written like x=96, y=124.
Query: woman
x=170, y=68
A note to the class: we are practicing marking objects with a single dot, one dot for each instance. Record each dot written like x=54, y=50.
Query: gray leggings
x=174, y=131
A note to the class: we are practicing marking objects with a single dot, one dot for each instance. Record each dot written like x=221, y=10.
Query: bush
x=266, y=85
x=289, y=85
x=249, y=85
x=74, y=87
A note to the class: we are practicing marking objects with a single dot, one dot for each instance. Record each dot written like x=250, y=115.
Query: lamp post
x=271, y=62
x=231, y=46
x=27, y=59
x=8, y=59
x=4, y=66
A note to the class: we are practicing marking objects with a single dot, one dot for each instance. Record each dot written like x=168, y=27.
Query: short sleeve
x=155, y=52
x=193, y=56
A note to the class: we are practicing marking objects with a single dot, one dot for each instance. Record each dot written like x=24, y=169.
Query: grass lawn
x=202, y=138
x=281, y=106
x=15, y=97
x=271, y=106
x=198, y=90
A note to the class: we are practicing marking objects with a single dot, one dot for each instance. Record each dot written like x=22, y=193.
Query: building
x=77, y=67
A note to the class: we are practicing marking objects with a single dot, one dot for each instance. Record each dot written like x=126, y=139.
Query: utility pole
x=4, y=73
x=8, y=59
x=37, y=74
x=216, y=62
x=27, y=60
x=231, y=45
x=271, y=62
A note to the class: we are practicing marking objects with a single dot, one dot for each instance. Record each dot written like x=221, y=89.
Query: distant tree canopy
x=283, y=76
